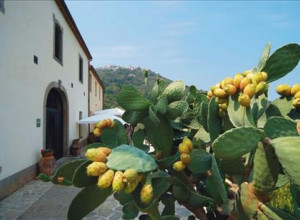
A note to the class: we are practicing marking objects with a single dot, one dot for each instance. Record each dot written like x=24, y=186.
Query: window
x=96, y=89
x=80, y=69
x=2, y=6
x=58, y=43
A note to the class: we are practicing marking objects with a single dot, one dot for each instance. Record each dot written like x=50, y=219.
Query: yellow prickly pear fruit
x=226, y=82
x=246, y=72
x=265, y=76
x=297, y=95
x=244, y=82
x=221, y=100
x=220, y=93
x=188, y=142
x=97, y=132
x=183, y=148
x=230, y=89
x=261, y=88
x=237, y=80
x=96, y=169
x=210, y=94
x=118, y=183
x=98, y=125
x=244, y=100
x=130, y=175
x=106, y=179
x=178, y=166
x=223, y=106
x=284, y=90
x=96, y=155
x=185, y=158
x=258, y=77
x=146, y=194
x=250, y=90
x=296, y=103
x=295, y=88
x=212, y=88
x=130, y=186
x=105, y=150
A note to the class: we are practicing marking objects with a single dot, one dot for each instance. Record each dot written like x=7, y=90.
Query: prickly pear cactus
x=221, y=154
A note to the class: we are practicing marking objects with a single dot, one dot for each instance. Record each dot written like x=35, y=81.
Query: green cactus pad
x=266, y=168
x=130, y=99
x=177, y=108
x=174, y=91
x=284, y=105
x=200, y=161
x=134, y=117
x=128, y=157
x=239, y=115
x=280, y=127
x=264, y=57
x=287, y=150
x=236, y=142
x=282, y=61
x=214, y=122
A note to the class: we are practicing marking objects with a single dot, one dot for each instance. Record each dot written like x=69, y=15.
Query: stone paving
x=38, y=200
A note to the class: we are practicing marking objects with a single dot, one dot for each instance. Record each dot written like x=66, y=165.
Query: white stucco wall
x=96, y=98
x=27, y=29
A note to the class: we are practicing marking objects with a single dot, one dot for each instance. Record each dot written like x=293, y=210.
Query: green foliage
x=280, y=127
x=130, y=99
x=240, y=153
x=128, y=157
x=266, y=168
x=287, y=150
x=236, y=142
x=282, y=61
x=86, y=201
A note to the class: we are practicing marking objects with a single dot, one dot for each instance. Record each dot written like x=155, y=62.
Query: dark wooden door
x=54, y=123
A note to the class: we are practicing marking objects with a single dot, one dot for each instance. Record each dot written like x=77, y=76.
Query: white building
x=44, y=70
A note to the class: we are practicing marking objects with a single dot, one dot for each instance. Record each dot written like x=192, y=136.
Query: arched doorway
x=55, y=123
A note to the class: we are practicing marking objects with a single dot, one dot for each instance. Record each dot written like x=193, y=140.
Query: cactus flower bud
x=220, y=93
x=178, y=166
x=295, y=88
x=96, y=155
x=130, y=175
x=244, y=100
x=185, y=158
x=237, y=80
x=146, y=194
x=118, y=183
x=250, y=90
x=96, y=169
x=284, y=90
x=183, y=148
x=106, y=179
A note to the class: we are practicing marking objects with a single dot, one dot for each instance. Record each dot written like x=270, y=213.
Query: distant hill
x=115, y=77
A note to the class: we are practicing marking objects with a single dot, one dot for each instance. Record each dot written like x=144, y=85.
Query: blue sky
x=200, y=42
